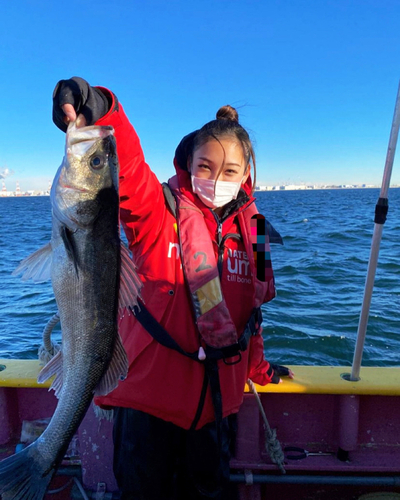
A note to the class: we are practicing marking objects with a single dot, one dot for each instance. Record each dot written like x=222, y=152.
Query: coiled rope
x=272, y=445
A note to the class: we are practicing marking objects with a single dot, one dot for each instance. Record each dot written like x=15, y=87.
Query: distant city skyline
x=18, y=191
x=42, y=183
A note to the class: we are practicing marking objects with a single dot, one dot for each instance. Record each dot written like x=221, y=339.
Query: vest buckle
x=237, y=359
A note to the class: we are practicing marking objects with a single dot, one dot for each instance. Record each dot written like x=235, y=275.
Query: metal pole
x=380, y=217
x=391, y=481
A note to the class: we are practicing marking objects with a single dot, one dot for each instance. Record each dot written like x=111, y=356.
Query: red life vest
x=213, y=319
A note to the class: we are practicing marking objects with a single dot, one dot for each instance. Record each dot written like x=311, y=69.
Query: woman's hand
x=71, y=116
x=75, y=99
x=280, y=371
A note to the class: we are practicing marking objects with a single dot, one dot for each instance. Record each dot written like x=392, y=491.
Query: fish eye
x=97, y=162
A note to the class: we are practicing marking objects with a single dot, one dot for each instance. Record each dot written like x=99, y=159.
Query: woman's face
x=223, y=160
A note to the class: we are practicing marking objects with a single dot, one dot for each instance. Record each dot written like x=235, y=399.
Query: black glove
x=280, y=370
x=86, y=100
x=275, y=378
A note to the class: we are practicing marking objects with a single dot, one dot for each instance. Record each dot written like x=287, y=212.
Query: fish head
x=90, y=167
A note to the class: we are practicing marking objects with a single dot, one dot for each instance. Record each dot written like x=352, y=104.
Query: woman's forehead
x=225, y=147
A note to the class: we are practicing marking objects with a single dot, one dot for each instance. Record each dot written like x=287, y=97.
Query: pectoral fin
x=37, y=266
x=70, y=248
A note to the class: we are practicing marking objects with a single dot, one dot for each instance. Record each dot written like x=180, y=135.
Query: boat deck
x=318, y=411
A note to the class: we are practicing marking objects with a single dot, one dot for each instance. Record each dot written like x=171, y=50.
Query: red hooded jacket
x=161, y=381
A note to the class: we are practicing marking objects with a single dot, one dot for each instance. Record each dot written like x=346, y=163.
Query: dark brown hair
x=227, y=125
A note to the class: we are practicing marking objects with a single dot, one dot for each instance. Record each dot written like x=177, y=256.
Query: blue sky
x=314, y=81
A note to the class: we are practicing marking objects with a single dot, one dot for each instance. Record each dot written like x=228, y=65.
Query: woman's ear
x=189, y=164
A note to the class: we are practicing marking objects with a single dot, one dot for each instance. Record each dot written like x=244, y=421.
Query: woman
x=197, y=338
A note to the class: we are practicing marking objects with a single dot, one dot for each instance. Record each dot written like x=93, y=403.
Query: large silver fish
x=92, y=277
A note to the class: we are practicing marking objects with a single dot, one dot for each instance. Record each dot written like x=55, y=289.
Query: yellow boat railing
x=308, y=379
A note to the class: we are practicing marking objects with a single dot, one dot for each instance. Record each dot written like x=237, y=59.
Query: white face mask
x=215, y=193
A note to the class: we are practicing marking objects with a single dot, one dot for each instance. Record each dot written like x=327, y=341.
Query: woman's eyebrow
x=233, y=165
x=204, y=158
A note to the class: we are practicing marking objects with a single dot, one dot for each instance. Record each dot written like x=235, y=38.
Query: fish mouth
x=72, y=141
x=88, y=134
x=65, y=185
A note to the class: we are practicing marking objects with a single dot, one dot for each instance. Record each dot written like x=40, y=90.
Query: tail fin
x=20, y=477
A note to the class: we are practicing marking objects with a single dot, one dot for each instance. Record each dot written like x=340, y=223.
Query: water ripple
x=320, y=276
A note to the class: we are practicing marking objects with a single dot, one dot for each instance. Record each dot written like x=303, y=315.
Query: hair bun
x=228, y=113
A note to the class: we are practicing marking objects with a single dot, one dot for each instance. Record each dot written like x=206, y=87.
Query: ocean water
x=320, y=275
